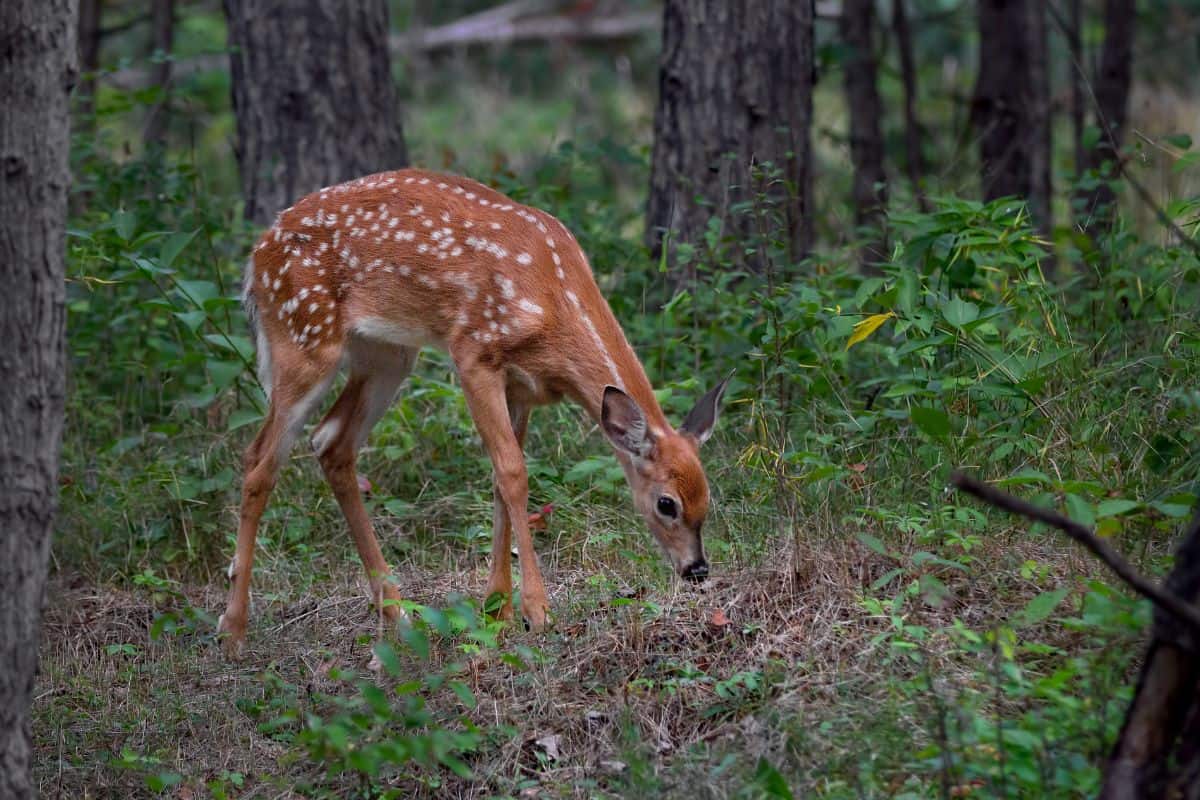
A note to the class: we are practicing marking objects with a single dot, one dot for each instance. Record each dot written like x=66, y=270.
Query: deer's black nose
x=696, y=571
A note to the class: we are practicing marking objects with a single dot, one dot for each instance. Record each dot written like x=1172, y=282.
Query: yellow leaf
x=868, y=326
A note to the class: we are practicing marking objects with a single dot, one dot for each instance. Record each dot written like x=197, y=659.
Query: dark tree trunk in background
x=1041, y=122
x=857, y=24
x=1111, y=84
x=162, y=28
x=37, y=68
x=313, y=95
x=914, y=163
x=1000, y=109
x=89, y=56
x=735, y=91
x=1078, y=101
x=1158, y=751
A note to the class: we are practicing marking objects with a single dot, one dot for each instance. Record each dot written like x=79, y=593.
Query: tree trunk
x=1156, y=752
x=313, y=95
x=1041, y=149
x=89, y=57
x=735, y=93
x=914, y=163
x=1078, y=103
x=857, y=24
x=37, y=48
x=162, y=27
x=1000, y=107
x=1112, y=106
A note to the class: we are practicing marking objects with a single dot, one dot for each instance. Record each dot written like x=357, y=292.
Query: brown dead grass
x=609, y=689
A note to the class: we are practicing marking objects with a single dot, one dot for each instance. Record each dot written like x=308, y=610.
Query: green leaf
x=874, y=543
x=1171, y=509
x=197, y=292
x=238, y=344
x=1080, y=510
x=224, y=373
x=124, y=223
x=1114, y=508
x=1180, y=140
x=192, y=319
x=959, y=312
x=932, y=421
x=1040, y=607
x=388, y=659
x=770, y=782
x=243, y=417
x=174, y=245
x=464, y=694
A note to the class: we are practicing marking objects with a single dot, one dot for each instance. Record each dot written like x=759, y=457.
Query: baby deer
x=367, y=273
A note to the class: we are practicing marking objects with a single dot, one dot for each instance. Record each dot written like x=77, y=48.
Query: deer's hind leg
x=295, y=392
x=376, y=372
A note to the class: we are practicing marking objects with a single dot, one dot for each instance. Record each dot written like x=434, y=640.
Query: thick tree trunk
x=313, y=95
x=914, y=163
x=857, y=25
x=735, y=93
x=1041, y=122
x=37, y=50
x=1112, y=106
x=1078, y=103
x=162, y=31
x=1000, y=107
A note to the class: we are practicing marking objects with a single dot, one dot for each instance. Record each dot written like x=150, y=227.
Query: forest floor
x=641, y=689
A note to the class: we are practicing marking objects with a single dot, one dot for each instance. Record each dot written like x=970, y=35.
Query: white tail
x=368, y=272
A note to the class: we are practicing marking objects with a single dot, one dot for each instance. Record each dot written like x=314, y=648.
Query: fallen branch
x=1184, y=612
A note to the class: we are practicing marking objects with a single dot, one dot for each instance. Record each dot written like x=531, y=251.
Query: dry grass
x=624, y=702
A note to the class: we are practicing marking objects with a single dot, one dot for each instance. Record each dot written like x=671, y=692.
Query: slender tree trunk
x=37, y=49
x=1000, y=107
x=162, y=26
x=1078, y=101
x=313, y=95
x=914, y=163
x=857, y=25
x=735, y=94
x=1112, y=106
x=89, y=56
x=1155, y=754
x=1041, y=182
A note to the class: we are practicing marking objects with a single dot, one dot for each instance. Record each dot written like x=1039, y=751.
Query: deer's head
x=665, y=475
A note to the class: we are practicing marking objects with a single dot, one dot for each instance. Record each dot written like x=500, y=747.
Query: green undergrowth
x=926, y=646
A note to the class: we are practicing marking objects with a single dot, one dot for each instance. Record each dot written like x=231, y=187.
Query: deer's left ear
x=702, y=418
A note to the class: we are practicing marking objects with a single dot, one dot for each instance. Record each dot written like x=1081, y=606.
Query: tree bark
x=735, y=93
x=1000, y=107
x=1041, y=185
x=37, y=50
x=313, y=96
x=1078, y=103
x=89, y=56
x=857, y=24
x=914, y=162
x=162, y=31
x=1155, y=754
x=1112, y=84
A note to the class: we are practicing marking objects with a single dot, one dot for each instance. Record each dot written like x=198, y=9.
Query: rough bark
x=857, y=24
x=1111, y=84
x=1041, y=122
x=37, y=69
x=735, y=92
x=1155, y=754
x=914, y=163
x=162, y=31
x=999, y=108
x=313, y=96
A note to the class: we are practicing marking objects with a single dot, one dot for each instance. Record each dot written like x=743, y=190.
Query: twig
x=1166, y=600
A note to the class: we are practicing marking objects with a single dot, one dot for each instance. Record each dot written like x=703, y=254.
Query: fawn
x=363, y=275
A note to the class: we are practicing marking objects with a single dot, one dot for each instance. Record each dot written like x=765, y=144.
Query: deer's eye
x=667, y=507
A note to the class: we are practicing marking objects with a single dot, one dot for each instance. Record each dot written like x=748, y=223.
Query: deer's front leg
x=484, y=390
x=500, y=579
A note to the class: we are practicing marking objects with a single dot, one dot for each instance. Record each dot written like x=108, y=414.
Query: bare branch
x=1184, y=612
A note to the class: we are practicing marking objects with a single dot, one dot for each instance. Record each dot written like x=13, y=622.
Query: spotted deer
x=363, y=275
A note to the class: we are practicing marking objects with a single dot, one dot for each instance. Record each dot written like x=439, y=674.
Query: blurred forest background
x=929, y=234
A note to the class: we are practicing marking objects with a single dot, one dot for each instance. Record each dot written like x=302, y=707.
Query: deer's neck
x=600, y=356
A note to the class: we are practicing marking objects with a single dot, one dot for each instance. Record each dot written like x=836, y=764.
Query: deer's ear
x=624, y=423
x=702, y=418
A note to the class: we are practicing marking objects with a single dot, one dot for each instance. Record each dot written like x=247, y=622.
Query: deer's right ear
x=624, y=423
